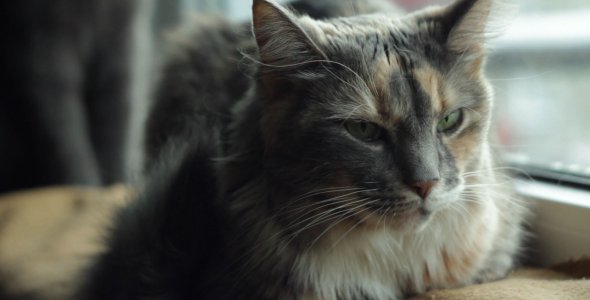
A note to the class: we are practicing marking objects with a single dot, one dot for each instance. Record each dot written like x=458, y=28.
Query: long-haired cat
x=356, y=166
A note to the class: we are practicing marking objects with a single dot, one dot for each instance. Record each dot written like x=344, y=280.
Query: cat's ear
x=282, y=42
x=465, y=25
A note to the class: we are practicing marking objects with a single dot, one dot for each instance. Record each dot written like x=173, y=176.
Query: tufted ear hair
x=282, y=42
x=464, y=24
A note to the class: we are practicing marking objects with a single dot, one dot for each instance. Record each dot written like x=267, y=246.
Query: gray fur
x=304, y=209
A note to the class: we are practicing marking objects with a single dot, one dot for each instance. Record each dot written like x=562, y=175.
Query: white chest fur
x=384, y=264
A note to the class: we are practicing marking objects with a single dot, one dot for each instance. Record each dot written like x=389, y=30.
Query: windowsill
x=552, y=31
x=561, y=221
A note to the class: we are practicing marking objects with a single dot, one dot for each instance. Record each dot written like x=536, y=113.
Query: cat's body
x=356, y=166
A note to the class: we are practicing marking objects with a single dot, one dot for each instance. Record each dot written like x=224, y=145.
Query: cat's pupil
x=450, y=122
x=364, y=127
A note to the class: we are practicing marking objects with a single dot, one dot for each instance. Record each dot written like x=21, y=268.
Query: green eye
x=451, y=121
x=364, y=131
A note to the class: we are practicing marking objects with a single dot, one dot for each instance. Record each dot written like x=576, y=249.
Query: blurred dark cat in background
x=66, y=96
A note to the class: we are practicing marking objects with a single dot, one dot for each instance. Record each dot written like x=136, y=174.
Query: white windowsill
x=562, y=30
x=561, y=221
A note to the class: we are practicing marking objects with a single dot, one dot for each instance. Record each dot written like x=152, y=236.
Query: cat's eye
x=450, y=122
x=364, y=131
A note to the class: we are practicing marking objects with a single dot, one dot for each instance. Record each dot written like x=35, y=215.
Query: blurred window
x=540, y=70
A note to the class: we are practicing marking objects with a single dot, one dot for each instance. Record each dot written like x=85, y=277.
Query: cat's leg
x=17, y=154
x=108, y=109
x=507, y=244
x=56, y=111
x=108, y=91
x=43, y=136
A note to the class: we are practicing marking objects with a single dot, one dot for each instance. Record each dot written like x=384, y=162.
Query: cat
x=67, y=84
x=356, y=165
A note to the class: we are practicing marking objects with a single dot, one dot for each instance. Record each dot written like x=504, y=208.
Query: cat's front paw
x=498, y=266
x=491, y=274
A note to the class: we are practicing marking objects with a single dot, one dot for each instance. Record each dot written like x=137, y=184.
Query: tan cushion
x=47, y=235
x=566, y=281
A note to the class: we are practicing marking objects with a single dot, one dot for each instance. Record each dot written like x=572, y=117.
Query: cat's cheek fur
x=465, y=148
x=275, y=112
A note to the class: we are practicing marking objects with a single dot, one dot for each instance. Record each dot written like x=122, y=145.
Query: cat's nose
x=423, y=188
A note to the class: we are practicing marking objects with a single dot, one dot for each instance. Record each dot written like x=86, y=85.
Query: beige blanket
x=566, y=281
x=47, y=236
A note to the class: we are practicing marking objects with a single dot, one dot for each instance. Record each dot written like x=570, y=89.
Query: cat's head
x=372, y=115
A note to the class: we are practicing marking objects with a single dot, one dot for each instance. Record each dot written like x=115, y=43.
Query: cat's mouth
x=392, y=210
x=395, y=205
x=395, y=213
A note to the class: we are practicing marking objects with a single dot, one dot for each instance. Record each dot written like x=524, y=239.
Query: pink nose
x=423, y=188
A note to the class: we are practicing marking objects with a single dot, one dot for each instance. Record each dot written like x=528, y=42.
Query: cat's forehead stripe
x=391, y=88
x=406, y=87
x=431, y=82
x=405, y=84
x=399, y=82
x=383, y=68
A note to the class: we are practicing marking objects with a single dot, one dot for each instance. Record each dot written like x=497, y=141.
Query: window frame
x=560, y=222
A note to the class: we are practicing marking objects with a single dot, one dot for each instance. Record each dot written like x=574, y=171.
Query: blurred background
x=540, y=70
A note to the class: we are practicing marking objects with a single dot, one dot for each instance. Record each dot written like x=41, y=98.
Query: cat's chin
x=414, y=222
x=410, y=221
